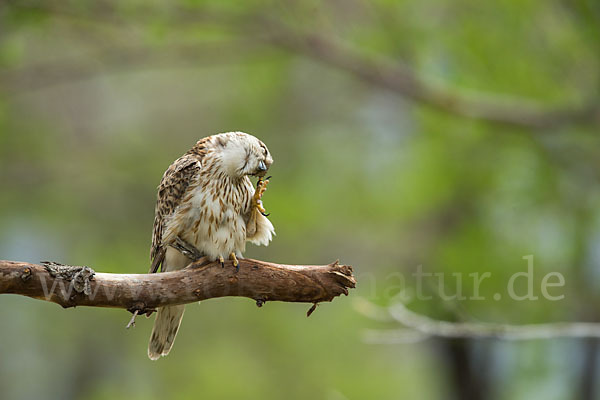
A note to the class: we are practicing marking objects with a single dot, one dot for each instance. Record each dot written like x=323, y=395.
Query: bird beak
x=261, y=166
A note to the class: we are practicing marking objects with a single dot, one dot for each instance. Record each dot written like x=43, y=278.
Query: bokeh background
x=454, y=135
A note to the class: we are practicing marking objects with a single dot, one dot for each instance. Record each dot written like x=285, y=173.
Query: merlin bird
x=207, y=199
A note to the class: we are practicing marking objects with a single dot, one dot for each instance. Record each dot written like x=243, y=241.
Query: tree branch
x=394, y=76
x=261, y=281
x=420, y=327
x=405, y=81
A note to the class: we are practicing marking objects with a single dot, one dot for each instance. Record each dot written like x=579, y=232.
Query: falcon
x=206, y=198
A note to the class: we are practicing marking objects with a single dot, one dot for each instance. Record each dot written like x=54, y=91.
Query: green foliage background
x=98, y=98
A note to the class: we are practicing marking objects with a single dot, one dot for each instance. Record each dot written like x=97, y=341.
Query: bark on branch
x=261, y=281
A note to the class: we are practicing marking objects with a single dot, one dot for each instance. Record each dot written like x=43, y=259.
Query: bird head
x=243, y=154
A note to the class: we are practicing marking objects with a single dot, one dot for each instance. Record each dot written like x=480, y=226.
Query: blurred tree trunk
x=466, y=365
x=468, y=371
x=587, y=389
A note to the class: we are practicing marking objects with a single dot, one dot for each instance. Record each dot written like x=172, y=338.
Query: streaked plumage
x=206, y=198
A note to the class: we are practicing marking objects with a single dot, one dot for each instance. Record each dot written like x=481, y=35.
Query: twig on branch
x=132, y=320
x=261, y=281
x=420, y=327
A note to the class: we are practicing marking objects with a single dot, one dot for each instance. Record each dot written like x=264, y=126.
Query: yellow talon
x=261, y=187
x=234, y=259
x=260, y=207
x=222, y=261
x=235, y=262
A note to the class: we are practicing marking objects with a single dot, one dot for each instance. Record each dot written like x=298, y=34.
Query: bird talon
x=261, y=187
x=222, y=261
x=235, y=261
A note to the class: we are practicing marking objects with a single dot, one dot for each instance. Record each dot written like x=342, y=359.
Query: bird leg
x=261, y=187
x=186, y=248
x=234, y=260
x=222, y=261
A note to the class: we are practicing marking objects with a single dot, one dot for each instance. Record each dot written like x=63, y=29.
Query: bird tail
x=168, y=318
x=165, y=330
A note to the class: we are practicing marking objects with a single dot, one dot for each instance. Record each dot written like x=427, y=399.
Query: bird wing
x=173, y=186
